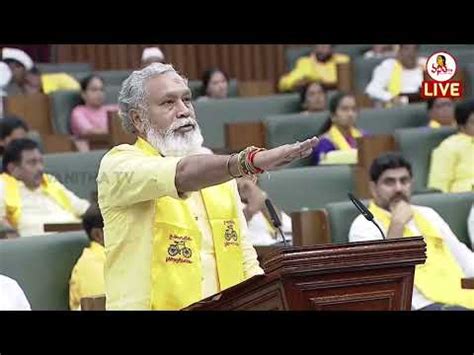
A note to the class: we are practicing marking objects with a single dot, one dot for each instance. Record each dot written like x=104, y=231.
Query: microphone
x=275, y=219
x=365, y=212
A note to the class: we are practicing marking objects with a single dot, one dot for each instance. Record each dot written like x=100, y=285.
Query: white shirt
x=38, y=208
x=12, y=297
x=260, y=233
x=364, y=230
x=411, y=80
x=470, y=225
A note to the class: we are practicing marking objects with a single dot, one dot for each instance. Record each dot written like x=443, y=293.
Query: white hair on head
x=133, y=94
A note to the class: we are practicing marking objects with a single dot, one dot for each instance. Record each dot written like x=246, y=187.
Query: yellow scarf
x=13, y=200
x=439, y=279
x=395, y=83
x=339, y=140
x=176, y=262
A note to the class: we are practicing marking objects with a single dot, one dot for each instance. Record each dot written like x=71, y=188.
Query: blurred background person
x=215, y=85
x=313, y=98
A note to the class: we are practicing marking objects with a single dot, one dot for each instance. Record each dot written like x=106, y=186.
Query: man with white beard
x=174, y=228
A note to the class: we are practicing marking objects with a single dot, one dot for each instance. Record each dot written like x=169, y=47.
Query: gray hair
x=133, y=94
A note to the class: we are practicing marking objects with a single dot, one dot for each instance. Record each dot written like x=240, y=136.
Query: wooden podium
x=375, y=275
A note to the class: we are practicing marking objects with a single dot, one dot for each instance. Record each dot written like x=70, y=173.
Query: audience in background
x=152, y=55
x=320, y=65
x=11, y=127
x=215, y=85
x=91, y=116
x=438, y=280
x=19, y=63
x=27, y=79
x=49, y=82
x=441, y=112
x=29, y=198
x=260, y=228
x=87, y=277
x=396, y=78
x=381, y=51
x=12, y=297
x=452, y=162
x=313, y=98
x=338, y=135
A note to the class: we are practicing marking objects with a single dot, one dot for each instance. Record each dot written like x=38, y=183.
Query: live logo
x=431, y=89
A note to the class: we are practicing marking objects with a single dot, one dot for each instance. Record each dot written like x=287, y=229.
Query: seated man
x=321, y=65
x=87, y=277
x=11, y=128
x=441, y=112
x=260, y=228
x=29, y=198
x=36, y=82
x=27, y=79
x=396, y=77
x=438, y=281
x=452, y=162
x=12, y=297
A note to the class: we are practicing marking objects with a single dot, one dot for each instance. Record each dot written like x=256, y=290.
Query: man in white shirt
x=12, y=297
x=390, y=186
x=397, y=76
x=260, y=228
x=29, y=198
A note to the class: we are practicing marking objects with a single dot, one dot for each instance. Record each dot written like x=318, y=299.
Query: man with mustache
x=174, y=229
x=29, y=198
x=320, y=66
x=438, y=280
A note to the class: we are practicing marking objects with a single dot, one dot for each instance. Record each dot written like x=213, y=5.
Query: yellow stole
x=395, y=83
x=13, y=200
x=339, y=140
x=439, y=279
x=434, y=124
x=176, y=261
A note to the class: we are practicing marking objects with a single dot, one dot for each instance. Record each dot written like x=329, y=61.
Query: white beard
x=175, y=144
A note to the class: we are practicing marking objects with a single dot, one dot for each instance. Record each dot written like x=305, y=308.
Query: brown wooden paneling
x=242, y=61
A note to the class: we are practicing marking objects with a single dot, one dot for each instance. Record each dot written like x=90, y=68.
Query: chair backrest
x=453, y=207
x=363, y=69
x=416, y=145
x=76, y=171
x=112, y=93
x=309, y=187
x=62, y=104
x=212, y=115
x=289, y=128
x=385, y=121
x=70, y=68
x=35, y=109
x=42, y=266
